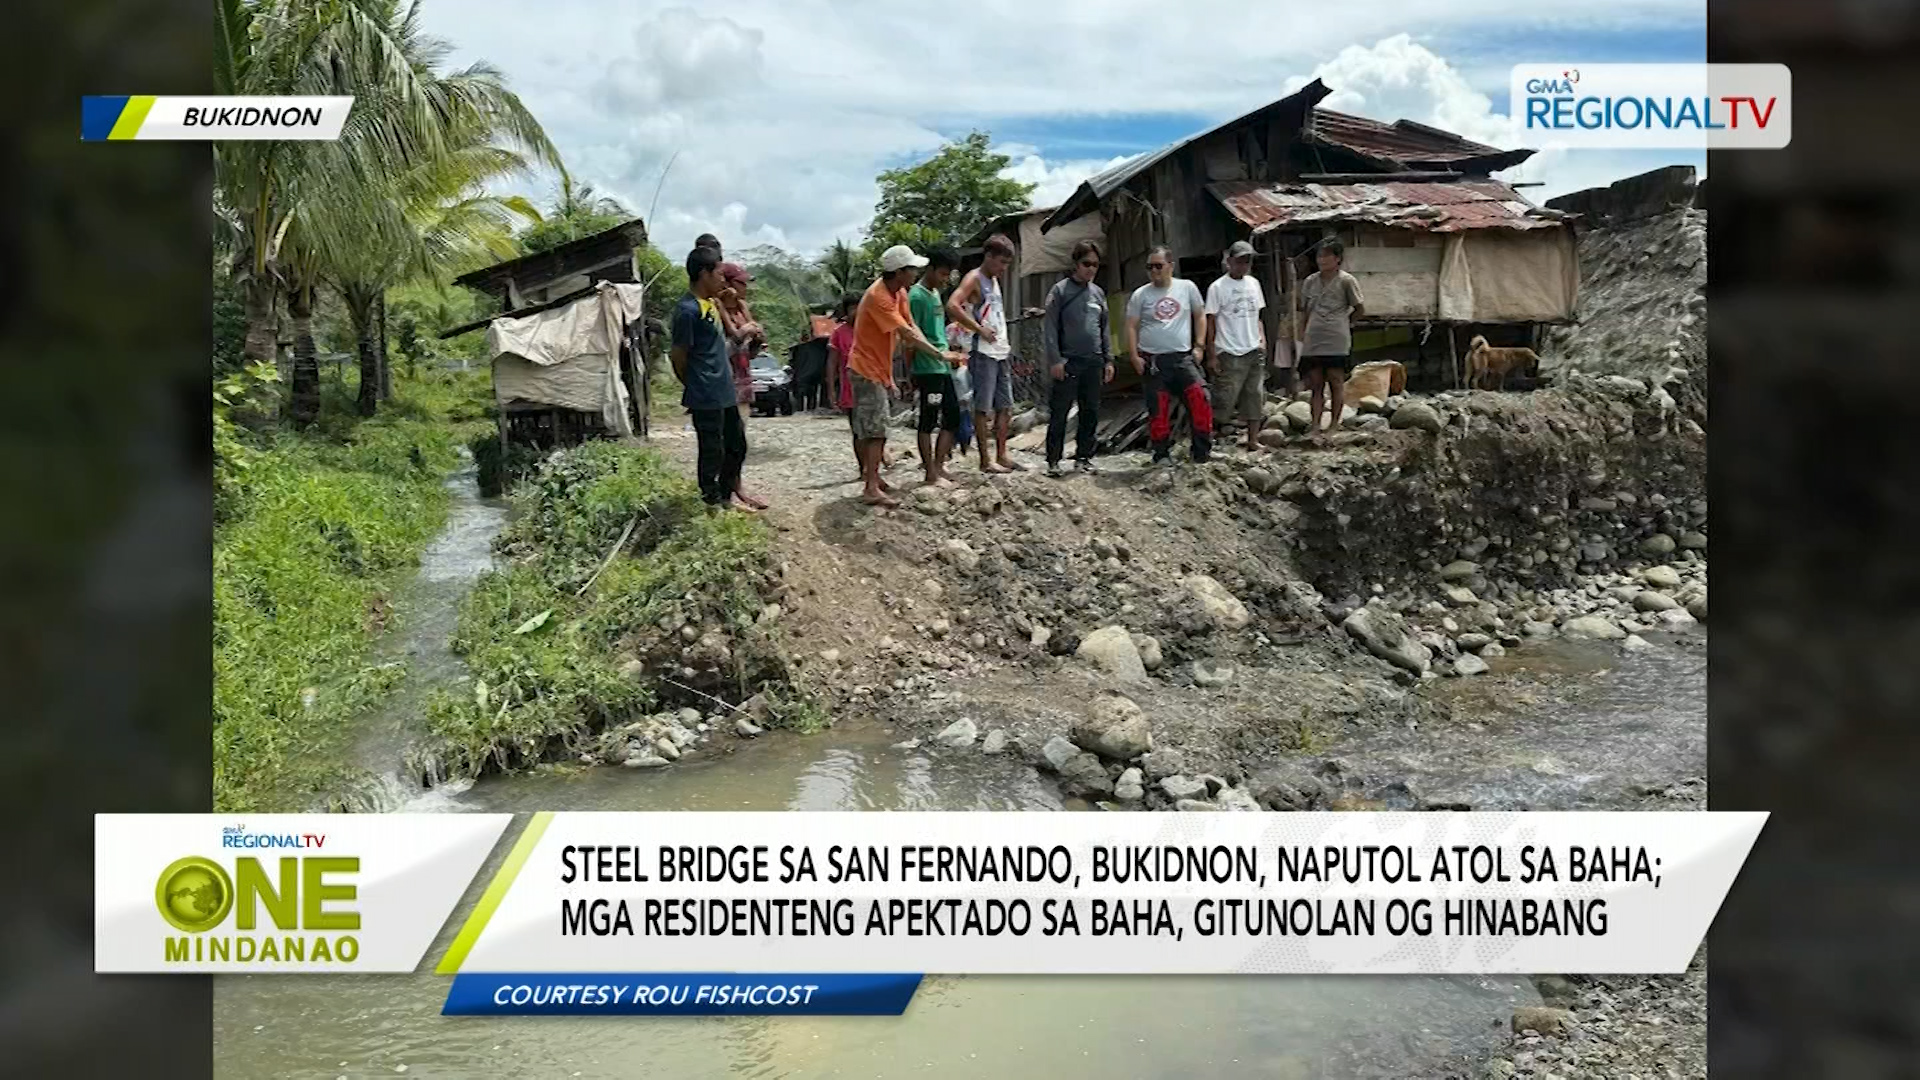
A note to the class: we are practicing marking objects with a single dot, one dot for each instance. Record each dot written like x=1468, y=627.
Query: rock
x=1149, y=647
x=1111, y=649
x=633, y=670
x=1182, y=787
x=1698, y=609
x=1190, y=805
x=1371, y=405
x=959, y=734
x=1459, y=570
x=769, y=614
x=1260, y=481
x=1592, y=626
x=1677, y=617
x=1039, y=637
x=960, y=553
x=1459, y=595
x=933, y=589
x=1273, y=438
x=1693, y=541
x=645, y=761
x=1114, y=727
x=1129, y=787
x=1226, y=612
x=1557, y=991
x=1239, y=799
x=1065, y=643
x=1661, y=577
x=666, y=749
x=1299, y=415
x=1469, y=664
x=1473, y=641
x=1657, y=545
x=995, y=742
x=688, y=717
x=1535, y=628
x=1595, y=552
x=1544, y=1019
x=1058, y=751
x=1653, y=601
x=1083, y=776
x=1418, y=416
x=1621, y=384
x=1161, y=764
x=1385, y=635
x=1497, y=1069
x=1492, y=650
x=1212, y=672
x=1636, y=643
x=746, y=728
x=1102, y=549
x=1287, y=788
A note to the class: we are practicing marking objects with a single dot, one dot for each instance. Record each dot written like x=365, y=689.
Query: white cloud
x=1053, y=181
x=781, y=112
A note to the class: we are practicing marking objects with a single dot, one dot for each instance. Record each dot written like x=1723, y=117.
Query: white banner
x=1652, y=106
x=183, y=893
x=1066, y=893
x=230, y=118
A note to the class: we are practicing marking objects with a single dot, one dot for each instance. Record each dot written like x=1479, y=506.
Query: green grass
x=547, y=662
x=314, y=535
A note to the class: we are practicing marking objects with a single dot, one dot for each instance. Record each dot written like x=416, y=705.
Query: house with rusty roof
x=1442, y=250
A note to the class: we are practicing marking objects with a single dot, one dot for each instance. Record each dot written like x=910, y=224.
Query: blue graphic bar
x=98, y=114
x=679, y=994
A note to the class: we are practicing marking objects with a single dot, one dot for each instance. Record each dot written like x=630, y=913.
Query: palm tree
x=845, y=266
x=297, y=210
x=578, y=211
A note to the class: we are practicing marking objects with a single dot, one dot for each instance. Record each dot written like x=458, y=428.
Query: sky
x=777, y=115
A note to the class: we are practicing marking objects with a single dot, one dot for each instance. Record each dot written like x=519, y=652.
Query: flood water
x=366, y=1026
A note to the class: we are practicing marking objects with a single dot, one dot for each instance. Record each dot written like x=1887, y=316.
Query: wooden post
x=1453, y=362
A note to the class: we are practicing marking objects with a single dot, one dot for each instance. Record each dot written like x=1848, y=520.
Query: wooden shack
x=570, y=348
x=1443, y=251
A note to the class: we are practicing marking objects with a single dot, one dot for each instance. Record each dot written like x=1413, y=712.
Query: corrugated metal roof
x=1454, y=206
x=1402, y=140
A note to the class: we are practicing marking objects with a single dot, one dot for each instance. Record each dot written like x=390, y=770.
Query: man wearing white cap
x=881, y=321
x=1237, y=342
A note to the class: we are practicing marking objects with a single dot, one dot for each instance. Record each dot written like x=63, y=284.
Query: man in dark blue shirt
x=700, y=361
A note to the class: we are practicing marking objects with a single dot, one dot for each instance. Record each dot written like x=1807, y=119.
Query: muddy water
x=956, y=1027
x=1566, y=726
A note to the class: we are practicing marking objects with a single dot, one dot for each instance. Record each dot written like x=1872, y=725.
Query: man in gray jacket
x=1079, y=356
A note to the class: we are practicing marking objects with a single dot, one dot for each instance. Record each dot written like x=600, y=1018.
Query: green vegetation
x=945, y=199
x=314, y=532
x=552, y=665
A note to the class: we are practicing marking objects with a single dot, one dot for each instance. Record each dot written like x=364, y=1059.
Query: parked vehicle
x=772, y=385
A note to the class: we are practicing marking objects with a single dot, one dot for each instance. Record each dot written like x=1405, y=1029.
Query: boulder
x=1226, y=612
x=1698, y=609
x=1417, y=416
x=1161, y=764
x=995, y=742
x=1460, y=595
x=1371, y=406
x=1083, y=776
x=1653, y=601
x=1114, y=727
x=1693, y=541
x=1661, y=577
x=1260, y=481
x=1299, y=415
x=1596, y=627
x=1459, y=570
x=1149, y=647
x=1469, y=664
x=1111, y=649
x=1237, y=799
x=1385, y=635
x=1659, y=545
x=1182, y=787
x=1058, y=751
x=645, y=761
x=960, y=733
x=1130, y=787
x=1543, y=1019
x=960, y=553
x=1473, y=641
x=746, y=728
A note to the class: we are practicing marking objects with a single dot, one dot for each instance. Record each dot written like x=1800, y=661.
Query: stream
x=320, y=1026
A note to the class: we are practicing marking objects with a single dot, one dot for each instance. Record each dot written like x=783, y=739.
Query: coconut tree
x=846, y=266
x=297, y=209
x=577, y=211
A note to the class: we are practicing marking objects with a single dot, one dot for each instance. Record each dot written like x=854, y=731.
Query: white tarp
x=1052, y=252
x=568, y=356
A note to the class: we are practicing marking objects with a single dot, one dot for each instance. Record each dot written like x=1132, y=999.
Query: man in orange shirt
x=883, y=319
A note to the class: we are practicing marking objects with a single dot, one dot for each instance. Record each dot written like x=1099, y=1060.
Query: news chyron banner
x=801, y=912
x=145, y=117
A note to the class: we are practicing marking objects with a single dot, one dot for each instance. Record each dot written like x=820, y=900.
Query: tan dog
x=1499, y=361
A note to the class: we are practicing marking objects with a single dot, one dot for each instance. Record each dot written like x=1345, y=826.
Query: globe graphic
x=194, y=894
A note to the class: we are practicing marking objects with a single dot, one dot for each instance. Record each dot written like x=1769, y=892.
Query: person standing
x=977, y=308
x=746, y=337
x=699, y=357
x=881, y=320
x=1237, y=342
x=1079, y=357
x=933, y=375
x=1329, y=302
x=1166, y=331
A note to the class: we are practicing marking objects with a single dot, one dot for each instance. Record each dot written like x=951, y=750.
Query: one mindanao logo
x=119, y=117
x=292, y=908
x=1674, y=106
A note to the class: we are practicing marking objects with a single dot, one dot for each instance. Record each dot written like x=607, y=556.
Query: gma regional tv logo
x=1653, y=106
x=118, y=117
x=261, y=908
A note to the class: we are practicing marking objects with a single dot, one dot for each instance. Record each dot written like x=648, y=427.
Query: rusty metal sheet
x=1429, y=206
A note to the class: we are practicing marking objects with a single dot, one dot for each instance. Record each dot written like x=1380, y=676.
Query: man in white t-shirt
x=1166, y=336
x=1237, y=342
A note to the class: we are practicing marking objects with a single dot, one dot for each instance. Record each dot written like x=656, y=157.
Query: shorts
x=1342, y=363
x=992, y=381
x=1240, y=390
x=939, y=404
x=869, y=415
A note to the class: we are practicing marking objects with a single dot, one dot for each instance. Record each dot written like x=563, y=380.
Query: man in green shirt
x=933, y=376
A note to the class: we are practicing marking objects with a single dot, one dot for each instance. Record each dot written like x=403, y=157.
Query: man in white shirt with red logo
x=1166, y=335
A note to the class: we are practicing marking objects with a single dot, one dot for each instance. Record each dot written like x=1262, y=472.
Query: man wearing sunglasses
x=1166, y=332
x=1079, y=356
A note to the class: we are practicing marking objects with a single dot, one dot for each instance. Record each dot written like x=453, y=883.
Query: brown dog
x=1499, y=361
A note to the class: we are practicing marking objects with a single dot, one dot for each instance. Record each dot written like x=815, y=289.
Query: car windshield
x=766, y=362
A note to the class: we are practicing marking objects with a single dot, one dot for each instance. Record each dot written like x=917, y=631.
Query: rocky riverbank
x=1609, y=1027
